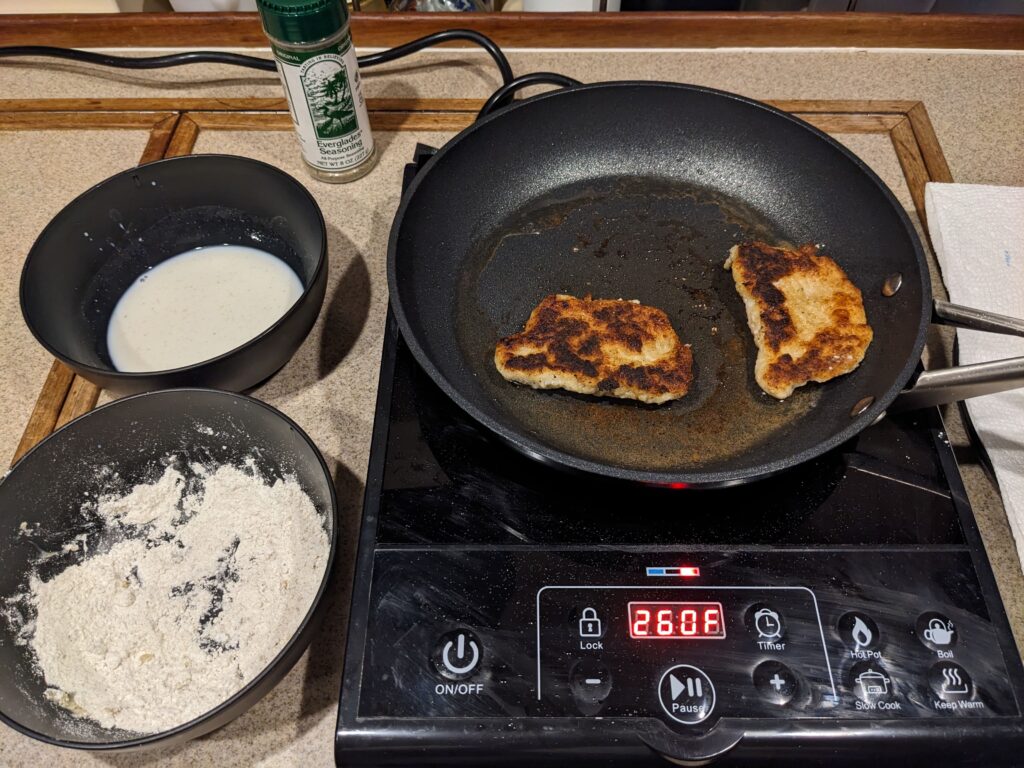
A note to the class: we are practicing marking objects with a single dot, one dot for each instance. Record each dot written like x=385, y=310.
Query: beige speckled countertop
x=975, y=100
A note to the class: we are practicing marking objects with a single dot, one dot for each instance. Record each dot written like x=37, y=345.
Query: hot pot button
x=687, y=694
x=858, y=631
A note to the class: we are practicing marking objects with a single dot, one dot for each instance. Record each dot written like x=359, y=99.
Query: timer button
x=765, y=622
x=686, y=694
x=775, y=682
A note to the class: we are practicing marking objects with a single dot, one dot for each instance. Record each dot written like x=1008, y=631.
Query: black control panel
x=794, y=635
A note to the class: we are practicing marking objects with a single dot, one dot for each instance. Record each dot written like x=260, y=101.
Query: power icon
x=458, y=655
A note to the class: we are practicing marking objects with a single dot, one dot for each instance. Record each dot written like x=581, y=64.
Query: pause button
x=686, y=694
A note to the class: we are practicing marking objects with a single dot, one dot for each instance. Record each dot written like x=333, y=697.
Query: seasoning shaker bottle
x=317, y=63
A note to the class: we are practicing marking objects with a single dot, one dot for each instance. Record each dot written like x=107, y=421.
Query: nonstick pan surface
x=637, y=191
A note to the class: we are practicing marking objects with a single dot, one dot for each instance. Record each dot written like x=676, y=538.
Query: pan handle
x=944, y=313
x=948, y=385
x=503, y=96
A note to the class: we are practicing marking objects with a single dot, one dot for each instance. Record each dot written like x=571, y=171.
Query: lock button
x=590, y=623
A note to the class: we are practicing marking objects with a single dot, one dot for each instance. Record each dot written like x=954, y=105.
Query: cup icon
x=938, y=632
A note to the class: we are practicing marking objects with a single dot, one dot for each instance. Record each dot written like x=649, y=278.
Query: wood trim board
x=549, y=30
x=175, y=125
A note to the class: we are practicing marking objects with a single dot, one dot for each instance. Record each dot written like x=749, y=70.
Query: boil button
x=686, y=694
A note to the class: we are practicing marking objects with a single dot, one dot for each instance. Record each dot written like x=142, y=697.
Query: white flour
x=212, y=581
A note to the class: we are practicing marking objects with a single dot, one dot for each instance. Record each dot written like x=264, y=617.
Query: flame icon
x=952, y=682
x=862, y=636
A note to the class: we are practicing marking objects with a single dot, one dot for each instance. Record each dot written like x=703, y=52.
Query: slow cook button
x=874, y=687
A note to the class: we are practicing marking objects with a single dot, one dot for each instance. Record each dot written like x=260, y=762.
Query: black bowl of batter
x=101, y=242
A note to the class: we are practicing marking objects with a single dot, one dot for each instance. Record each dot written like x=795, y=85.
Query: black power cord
x=143, y=62
x=254, y=62
x=500, y=98
x=503, y=95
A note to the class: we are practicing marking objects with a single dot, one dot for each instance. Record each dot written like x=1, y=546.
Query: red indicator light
x=678, y=486
x=685, y=571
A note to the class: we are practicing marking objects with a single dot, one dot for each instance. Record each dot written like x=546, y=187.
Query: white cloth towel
x=978, y=234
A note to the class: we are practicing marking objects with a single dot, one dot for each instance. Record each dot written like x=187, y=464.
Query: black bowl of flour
x=108, y=237
x=209, y=508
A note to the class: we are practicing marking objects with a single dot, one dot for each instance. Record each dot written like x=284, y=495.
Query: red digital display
x=676, y=621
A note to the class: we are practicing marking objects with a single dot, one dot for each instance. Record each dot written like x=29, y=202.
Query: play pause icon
x=692, y=686
x=686, y=694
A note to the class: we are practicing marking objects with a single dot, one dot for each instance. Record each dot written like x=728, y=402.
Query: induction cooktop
x=504, y=611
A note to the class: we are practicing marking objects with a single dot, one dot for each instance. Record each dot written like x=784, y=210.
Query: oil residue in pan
x=663, y=243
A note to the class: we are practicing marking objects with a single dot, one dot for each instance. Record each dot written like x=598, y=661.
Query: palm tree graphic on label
x=330, y=99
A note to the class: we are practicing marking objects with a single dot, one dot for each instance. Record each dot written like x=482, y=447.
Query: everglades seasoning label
x=327, y=105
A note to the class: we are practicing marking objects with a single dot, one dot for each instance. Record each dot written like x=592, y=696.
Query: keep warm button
x=687, y=694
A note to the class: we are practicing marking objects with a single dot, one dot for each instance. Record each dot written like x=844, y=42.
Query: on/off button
x=457, y=655
x=687, y=694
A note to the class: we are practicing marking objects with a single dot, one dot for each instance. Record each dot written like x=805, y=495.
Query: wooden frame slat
x=842, y=106
x=184, y=137
x=65, y=120
x=851, y=123
x=570, y=30
x=82, y=398
x=912, y=162
x=931, y=152
x=175, y=125
x=47, y=409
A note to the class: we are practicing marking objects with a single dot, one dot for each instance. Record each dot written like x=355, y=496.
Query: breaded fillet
x=604, y=347
x=807, y=317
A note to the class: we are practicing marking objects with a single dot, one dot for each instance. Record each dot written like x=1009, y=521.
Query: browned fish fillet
x=605, y=347
x=807, y=317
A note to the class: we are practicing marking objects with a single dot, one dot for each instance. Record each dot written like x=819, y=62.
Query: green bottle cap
x=302, y=21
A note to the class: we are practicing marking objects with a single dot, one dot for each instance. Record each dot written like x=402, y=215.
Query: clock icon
x=768, y=624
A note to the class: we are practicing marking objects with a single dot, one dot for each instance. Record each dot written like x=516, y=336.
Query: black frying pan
x=638, y=190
